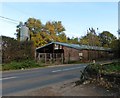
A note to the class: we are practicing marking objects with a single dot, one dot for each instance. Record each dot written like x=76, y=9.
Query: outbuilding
x=57, y=52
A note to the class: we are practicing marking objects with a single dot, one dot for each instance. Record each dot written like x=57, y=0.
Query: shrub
x=112, y=68
x=13, y=50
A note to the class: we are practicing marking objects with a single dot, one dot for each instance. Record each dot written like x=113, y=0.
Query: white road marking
x=68, y=69
x=7, y=78
x=56, y=70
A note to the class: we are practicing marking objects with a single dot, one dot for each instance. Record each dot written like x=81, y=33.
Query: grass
x=112, y=68
x=106, y=68
x=0, y=67
x=74, y=62
x=21, y=65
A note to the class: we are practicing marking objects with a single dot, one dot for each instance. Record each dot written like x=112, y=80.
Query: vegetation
x=113, y=68
x=12, y=50
x=115, y=45
x=90, y=38
x=106, y=75
x=106, y=38
x=42, y=34
x=73, y=40
x=20, y=65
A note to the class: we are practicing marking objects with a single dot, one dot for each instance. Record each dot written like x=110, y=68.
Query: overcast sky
x=76, y=17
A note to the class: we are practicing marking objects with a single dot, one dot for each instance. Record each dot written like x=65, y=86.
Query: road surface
x=14, y=82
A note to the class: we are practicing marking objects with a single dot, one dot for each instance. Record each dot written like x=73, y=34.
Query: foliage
x=73, y=40
x=106, y=75
x=111, y=68
x=90, y=39
x=15, y=50
x=95, y=69
x=115, y=45
x=106, y=38
x=42, y=34
x=20, y=65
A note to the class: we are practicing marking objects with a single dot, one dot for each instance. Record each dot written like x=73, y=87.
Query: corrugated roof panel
x=77, y=46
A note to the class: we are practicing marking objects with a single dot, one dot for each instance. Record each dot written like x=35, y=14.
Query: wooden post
x=51, y=58
x=62, y=58
x=35, y=56
x=39, y=56
x=45, y=57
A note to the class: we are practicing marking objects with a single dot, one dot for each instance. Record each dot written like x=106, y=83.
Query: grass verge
x=21, y=65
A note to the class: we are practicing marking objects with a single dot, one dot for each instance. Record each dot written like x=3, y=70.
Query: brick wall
x=71, y=54
x=85, y=55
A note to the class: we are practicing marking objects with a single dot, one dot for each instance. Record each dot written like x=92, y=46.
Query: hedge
x=13, y=50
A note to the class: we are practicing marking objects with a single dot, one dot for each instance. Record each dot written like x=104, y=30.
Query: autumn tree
x=73, y=40
x=42, y=34
x=55, y=30
x=90, y=38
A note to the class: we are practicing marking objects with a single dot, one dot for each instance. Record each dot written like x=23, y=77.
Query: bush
x=13, y=50
x=106, y=75
x=111, y=68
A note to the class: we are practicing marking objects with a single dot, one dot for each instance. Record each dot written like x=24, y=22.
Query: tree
x=115, y=45
x=62, y=37
x=42, y=34
x=106, y=38
x=58, y=27
x=90, y=38
x=73, y=40
x=55, y=31
x=34, y=25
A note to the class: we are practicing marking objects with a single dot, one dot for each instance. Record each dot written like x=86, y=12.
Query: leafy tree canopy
x=42, y=34
x=106, y=38
x=90, y=38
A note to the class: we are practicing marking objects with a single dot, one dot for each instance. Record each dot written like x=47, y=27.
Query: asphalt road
x=20, y=81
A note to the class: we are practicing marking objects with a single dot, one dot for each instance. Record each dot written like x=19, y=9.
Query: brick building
x=65, y=53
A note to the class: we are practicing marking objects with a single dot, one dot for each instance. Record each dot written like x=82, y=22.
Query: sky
x=119, y=15
x=76, y=17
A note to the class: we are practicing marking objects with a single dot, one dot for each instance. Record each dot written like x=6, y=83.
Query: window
x=58, y=46
x=80, y=54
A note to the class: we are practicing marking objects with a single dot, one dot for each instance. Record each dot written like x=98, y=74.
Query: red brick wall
x=71, y=54
x=85, y=55
x=89, y=55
